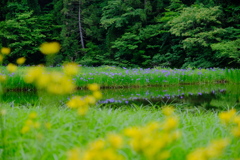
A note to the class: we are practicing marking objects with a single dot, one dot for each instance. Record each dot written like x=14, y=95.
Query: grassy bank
x=58, y=130
x=113, y=77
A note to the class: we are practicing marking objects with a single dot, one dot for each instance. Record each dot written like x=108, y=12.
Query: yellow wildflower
x=76, y=102
x=132, y=131
x=11, y=67
x=25, y=129
x=32, y=115
x=71, y=69
x=236, y=132
x=90, y=99
x=3, y=78
x=33, y=74
x=216, y=148
x=153, y=126
x=43, y=80
x=237, y=120
x=197, y=154
x=29, y=122
x=97, y=94
x=170, y=123
x=82, y=110
x=97, y=144
x=93, y=87
x=168, y=110
x=5, y=50
x=21, y=60
x=36, y=125
x=115, y=140
x=74, y=154
x=50, y=48
x=1, y=58
x=213, y=150
x=163, y=155
x=227, y=117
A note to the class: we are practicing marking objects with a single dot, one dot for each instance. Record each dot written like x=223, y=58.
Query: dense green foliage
x=129, y=33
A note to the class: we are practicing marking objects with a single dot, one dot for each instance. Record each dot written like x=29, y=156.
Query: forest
x=124, y=33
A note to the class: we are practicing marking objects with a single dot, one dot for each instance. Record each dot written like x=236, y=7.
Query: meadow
x=82, y=129
x=116, y=77
x=57, y=133
x=90, y=131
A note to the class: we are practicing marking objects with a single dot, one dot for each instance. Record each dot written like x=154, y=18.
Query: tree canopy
x=126, y=33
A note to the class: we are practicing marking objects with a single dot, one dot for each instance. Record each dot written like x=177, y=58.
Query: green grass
x=114, y=77
x=198, y=127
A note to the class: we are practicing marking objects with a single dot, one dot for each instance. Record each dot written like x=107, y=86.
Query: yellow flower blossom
x=132, y=131
x=33, y=74
x=3, y=78
x=227, y=117
x=74, y=154
x=25, y=129
x=197, y=154
x=32, y=115
x=163, y=155
x=97, y=94
x=76, y=102
x=213, y=150
x=5, y=50
x=170, y=123
x=168, y=110
x=71, y=69
x=29, y=122
x=237, y=120
x=36, y=125
x=115, y=140
x=97, y=144
x=1, y=58
x=93, y=87
x=90, y=99
x=82, y=110
x=216, y=147
x=43, y=80
x=50, y=48
x=236, y=132
x=11, y=67
x=21, y=60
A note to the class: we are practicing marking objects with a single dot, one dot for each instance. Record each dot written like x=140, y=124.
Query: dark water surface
x=206, y=95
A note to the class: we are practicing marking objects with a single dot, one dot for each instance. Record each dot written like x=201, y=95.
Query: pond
x=206, y=95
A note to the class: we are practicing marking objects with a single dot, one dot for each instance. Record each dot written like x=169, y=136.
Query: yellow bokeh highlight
x=11, y=67
x=226, y=117
x=21, y=60
x=115, y=140
x=1, y=58
x=214, y=150
x=49, y=48
x=93, y=87
x=71, y=69
x=5, y=50
x=3, y=78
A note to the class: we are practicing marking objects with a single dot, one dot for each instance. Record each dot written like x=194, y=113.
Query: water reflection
x=218, y=95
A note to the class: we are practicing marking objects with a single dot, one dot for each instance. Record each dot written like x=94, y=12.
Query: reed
x=114, y=77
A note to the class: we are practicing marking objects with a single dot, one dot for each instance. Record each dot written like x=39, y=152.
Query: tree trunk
x=80, y=25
